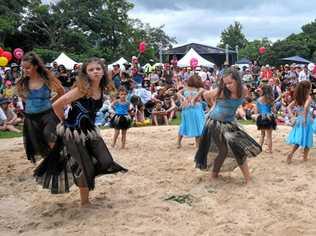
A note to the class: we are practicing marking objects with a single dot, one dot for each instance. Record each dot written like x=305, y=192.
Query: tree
x=10, y=17
x=233, y=36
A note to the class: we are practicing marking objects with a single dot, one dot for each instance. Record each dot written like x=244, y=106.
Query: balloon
x=262, y=50
x=3, y=61
x=18, y=53
x=311, y=66
x=194, y=62
x=7, y=55
x=1, y=51
x=142, y=47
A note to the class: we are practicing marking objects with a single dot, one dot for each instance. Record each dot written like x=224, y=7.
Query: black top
x=82, y=113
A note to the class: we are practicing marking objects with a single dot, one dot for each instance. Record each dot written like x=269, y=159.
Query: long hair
x=84, y=82
x=222, y=90
x=48, y=77
x=267, y=93
x=302, y=92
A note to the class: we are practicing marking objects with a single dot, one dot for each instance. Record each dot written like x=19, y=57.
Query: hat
x=287, y=65
x=267, y=65
x=4, y=101
x=48, y=65
x=8, y=82
x=14, y=65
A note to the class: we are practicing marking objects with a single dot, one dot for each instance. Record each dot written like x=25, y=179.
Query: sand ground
x=280, y=201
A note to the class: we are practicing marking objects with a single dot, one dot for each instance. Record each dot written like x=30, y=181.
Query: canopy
x=243, y=61
x=120, y=61
x=185, y=61
x=63, y=59
x=297, y=59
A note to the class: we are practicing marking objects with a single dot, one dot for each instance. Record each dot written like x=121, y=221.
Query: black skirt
x=239, y=144
x=38, y=131
x=85, y=157
x=121, y=122
x=266, y=122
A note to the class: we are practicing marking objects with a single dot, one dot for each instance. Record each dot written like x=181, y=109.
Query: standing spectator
x=116, y=76
x=13, y=73
x=64, y=78
x=55, y=68
x=301, y=73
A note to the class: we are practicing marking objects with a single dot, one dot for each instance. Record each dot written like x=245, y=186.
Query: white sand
x=280, y=201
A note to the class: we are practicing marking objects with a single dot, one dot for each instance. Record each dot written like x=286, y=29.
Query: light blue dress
x=192, y=116
x=302, y=135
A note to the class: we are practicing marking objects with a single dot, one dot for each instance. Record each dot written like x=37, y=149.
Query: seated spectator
x=249, y=108
x=8, y=118
x=8, y=91
x=159, y=115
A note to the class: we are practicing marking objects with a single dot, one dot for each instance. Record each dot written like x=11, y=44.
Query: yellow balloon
x=3, y=61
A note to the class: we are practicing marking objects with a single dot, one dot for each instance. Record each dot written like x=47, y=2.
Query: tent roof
x=185, y=61
x=297, y=59
x=120, y=61
x=243, y=61
x=199, y=48
x=63, y=59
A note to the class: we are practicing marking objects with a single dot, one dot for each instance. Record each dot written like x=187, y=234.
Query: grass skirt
x=239, y=144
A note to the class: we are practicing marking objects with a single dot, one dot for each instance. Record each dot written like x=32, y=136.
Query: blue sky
x=202, y=21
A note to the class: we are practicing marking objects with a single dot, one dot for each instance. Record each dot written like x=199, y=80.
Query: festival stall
x=193, y=59
x=120, y=61
x=63, y=59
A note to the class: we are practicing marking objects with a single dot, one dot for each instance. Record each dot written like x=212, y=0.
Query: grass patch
x=9, y=134
x=247, y=122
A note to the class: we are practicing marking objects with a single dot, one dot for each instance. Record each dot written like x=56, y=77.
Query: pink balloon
x=194, y=62
x=18, y=53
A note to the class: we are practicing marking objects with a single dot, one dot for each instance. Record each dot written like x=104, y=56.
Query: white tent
x=185, y=61
x=63, y=59
x=120, y=61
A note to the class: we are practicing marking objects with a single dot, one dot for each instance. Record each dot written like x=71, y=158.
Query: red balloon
x=142, y=47
x=262, y=50
x=7, y=55
x=1, y=51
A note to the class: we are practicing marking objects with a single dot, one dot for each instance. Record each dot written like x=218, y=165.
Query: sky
x=202, y=21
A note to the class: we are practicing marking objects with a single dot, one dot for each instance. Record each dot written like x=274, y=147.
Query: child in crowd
x=301, y=134
x=265, y=119
x=159, y=114
x=121, y=121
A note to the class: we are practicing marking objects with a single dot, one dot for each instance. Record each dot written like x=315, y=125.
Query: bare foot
x=289, y=158
x=85, y=204
x=178, y=145
x=305, y=158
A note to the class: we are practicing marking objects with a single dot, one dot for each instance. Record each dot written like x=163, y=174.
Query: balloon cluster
x=6, y=56
x=194, y=63
x=262, y=50
x=142, y=47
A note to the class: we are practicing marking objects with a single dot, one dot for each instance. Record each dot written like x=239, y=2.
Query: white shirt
x=203, y=75
x=3, y=117
x=302, y=76
x=143, y=93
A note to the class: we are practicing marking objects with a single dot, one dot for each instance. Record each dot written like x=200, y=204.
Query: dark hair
x=195, y=81
x=83, y=82
x=222, y=90
x=122, y=89
x=267, y=93
x=302, y=91
x=46, y=75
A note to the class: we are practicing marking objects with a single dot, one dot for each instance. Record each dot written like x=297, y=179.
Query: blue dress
x=302, y=135
x=265, y=119
x=192, y=116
